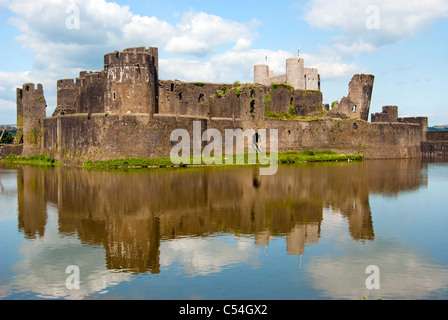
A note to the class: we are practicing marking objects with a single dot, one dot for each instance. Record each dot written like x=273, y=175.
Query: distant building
x=297, y=75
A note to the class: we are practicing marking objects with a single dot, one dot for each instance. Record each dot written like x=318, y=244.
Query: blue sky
x=403, y=43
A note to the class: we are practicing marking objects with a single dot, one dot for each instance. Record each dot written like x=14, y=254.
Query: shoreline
x=154, y=163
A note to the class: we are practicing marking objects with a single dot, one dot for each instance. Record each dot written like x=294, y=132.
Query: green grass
x=283, y=158
x=290, y=116
x=316, y=156
x=38, y=160
x=130, y=163
x=274, y=86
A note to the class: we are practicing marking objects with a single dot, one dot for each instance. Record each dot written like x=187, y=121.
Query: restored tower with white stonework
x=297, y=75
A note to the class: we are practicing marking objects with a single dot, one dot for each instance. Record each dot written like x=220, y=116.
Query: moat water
x=309, y=232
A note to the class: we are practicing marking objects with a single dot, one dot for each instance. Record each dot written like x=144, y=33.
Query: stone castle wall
x=99, y=137
x=126, y=111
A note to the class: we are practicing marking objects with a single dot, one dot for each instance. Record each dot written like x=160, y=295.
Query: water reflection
x=130, y=213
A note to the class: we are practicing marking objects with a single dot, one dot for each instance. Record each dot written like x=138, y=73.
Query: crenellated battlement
x=30, y=89
x=137, y=57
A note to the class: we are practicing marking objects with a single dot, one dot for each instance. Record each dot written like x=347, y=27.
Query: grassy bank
x=38, y=160
x=283, y=158
x=316, y=156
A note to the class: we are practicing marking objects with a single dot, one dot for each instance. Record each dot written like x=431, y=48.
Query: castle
x=296, y=75
x=125, y=110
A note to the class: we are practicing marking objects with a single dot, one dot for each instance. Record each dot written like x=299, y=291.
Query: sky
x=403, y=43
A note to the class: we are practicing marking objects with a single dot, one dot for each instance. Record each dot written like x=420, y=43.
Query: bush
x=291, y=110
x=7, y=137
x=284, y=85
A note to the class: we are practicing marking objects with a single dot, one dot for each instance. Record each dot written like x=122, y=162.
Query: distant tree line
x=437, y=128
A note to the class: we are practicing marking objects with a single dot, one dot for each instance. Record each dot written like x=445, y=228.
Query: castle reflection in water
x=130, y=213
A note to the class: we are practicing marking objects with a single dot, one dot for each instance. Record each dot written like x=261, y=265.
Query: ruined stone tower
x=131, y=81
x=31, y=109
x=357, y=103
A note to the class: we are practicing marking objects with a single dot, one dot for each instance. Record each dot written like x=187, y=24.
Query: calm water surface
x=308, y=232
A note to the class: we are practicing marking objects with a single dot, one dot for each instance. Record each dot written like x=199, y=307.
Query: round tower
x=261, y=72
x=131, y=81
x=295, y=73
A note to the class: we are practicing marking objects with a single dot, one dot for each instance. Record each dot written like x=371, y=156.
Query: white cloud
x=365, y=26
x=203, y=257
x=186, y=70
x=143, y=29
x=226, y=67
x=42, y=269
x=9, y=80
x=106, y=26
x=396, y=20
x=331, y=65
x=7, y=106
x=199, y=33
x=61, y=52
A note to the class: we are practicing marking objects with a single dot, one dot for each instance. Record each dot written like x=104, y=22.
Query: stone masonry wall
x=373, y=140
x=389, y=114
x=185, y=98
x=78, y=138
x=131, y=81
x=437, y=135
x=357, y=103
x=422, y=121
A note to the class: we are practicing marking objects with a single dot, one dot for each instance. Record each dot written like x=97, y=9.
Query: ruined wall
x=245, y=103
x=312, y=79
x=373, y=140
x=357, y=103
x=437, y=135
x=266, y=77
x=31, y=107
x=434, y=148
x=436, y=144
x=7, y=149
x=389, y=114
x=92, y=86
x=78, y=138
x=422, y=121
x=67, y=97
x=84, y=95
x=280, y=99
x=186, y=98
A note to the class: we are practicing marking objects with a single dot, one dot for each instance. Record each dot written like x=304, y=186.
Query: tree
x=7, y=137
